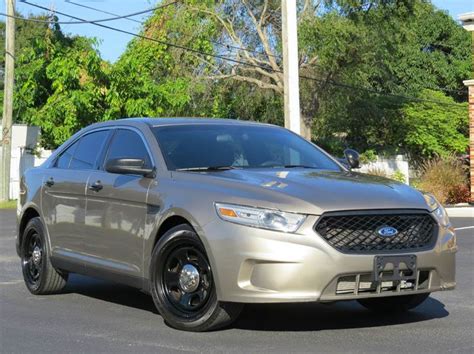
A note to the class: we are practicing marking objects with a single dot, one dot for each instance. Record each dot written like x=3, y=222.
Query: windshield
x=203, y=146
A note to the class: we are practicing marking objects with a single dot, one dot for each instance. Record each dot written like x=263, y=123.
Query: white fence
x=21, y=161
x=24, y=139
x=389, y=166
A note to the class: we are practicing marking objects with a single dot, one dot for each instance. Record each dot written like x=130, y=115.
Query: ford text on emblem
x=387, y=231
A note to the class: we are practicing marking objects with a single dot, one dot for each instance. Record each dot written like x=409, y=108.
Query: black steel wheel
x=38, y=273
x=182, y=284
x=187, y=279
x=32, y=259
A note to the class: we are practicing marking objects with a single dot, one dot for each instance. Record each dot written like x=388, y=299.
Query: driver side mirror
x=129, y=166
x=352, y=157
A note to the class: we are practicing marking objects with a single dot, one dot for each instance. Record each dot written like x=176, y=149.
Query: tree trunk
x=306, y=127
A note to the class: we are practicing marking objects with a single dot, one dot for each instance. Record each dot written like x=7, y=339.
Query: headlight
x=437, y=209
x=431, y=201
x=261, y=218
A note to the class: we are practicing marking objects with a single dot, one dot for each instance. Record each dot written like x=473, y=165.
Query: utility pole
x=290, y=66
x=8, y=101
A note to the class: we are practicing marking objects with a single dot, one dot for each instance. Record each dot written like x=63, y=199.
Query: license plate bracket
x=380, y=263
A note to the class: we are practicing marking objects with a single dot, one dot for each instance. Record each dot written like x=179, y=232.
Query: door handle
x=49, y=182
x=97, y=186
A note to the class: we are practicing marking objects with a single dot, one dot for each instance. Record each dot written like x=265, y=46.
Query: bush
x=376, y=171
x=398, y=176
x=446, y=179
x=368, y=156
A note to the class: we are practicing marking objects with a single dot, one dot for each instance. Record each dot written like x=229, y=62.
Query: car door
x=64, y=196
x=117, y=210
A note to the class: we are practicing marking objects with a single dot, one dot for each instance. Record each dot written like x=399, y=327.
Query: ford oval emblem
x=387, y=231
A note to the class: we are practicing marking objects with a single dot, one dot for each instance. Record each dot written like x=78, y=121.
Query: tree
x=435, y=129
x=25, y=33
x=399, y=50
x=61, y=83
x=152, y=79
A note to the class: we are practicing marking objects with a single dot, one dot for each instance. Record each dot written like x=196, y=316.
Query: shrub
x=375, y=171
x=368, y=156
x=398, y=176
x=445, y=178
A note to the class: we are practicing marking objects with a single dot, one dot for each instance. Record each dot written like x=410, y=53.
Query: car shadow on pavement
x=269, y=317
x=110, y=292
x=330, y=316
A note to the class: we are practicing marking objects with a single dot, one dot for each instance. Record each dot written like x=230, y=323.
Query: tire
x=184, y=300
x=401, y=303
x=38, y=273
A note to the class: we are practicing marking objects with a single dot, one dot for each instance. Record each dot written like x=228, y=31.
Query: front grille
x=357, y=232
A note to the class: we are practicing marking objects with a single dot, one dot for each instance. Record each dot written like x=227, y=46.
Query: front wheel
x=182, y=284
x=400, y=303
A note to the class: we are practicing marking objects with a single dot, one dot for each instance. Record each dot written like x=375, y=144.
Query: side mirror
x=352, y=158
x=129, y=166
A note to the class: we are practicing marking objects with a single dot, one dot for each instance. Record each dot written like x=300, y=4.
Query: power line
x=174, y=45
x=116, y=17
x=228, y=46
x=99, y=10
x=127, y=17
x=225, y=45
x=236, y=61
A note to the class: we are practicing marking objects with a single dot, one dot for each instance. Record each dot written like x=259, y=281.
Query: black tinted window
x=88, y=150
x=128, y=144
x=65, y=158
x=197, y=146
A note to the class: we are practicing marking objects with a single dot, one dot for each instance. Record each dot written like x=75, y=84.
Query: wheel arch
x=168, y=224
x=170, y=219
x=30, y=212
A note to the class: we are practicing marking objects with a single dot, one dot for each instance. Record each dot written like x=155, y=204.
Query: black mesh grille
x=357, y=233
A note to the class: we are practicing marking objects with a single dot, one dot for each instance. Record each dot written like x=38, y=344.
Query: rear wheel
x=38, y=273
x=394, y=303
x=183, y=287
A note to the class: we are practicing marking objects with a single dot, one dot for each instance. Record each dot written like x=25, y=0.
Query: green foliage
x=400, y=47
x=368, y=156
x=399, y=176
x=433, y=128
x=60, y=82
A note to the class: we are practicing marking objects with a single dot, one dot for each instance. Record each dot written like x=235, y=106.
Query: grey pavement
x=95, y=316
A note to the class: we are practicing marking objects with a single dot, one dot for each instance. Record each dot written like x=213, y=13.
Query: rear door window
x=88, y=150
x=65, y=158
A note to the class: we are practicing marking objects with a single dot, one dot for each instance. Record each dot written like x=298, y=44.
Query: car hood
x=310, y=191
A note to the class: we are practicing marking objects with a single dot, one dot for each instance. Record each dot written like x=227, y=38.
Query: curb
x=463, y=212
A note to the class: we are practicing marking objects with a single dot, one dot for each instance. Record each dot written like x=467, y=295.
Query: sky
x=112, y=44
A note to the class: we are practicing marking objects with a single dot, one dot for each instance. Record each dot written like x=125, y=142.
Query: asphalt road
x=96, y=316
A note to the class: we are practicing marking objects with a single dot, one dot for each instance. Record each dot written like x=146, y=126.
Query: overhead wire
x=237, y=61
x=224, y=45
x=115, y=18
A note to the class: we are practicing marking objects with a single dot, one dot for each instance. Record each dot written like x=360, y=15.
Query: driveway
x=98, y=316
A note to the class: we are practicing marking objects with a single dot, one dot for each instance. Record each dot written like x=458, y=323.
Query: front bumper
x=253, y=265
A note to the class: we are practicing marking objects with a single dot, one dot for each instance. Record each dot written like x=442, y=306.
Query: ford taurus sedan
x=207, y=215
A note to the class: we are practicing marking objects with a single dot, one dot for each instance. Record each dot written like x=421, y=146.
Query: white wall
x=24, y=138
x=389, y=166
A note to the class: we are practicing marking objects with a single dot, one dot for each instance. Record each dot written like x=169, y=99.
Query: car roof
x=157, y=122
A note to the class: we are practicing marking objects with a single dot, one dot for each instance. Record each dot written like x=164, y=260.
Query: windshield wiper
x=207, y=168
x=293, y=166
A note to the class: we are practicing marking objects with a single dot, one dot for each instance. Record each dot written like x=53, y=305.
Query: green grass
x=11, y=204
